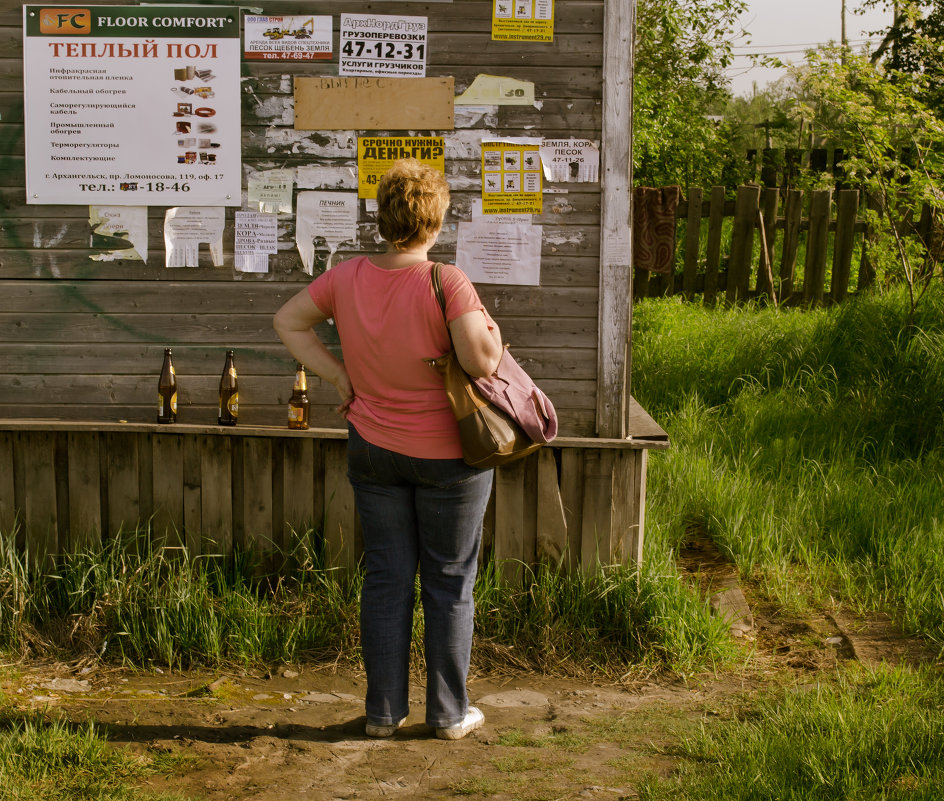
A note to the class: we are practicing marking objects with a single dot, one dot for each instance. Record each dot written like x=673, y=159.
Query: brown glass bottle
x=298, y=403
x=167, y=391
x=229, y=393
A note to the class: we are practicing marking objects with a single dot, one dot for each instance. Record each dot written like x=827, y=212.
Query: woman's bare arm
x=479, y=348
x=294, y=323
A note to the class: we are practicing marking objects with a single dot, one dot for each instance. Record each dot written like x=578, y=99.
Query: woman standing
x=420, y=505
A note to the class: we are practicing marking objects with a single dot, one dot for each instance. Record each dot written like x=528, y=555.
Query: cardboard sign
x=374, y=104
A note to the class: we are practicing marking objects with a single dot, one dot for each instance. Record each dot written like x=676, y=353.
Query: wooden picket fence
x=752, y=246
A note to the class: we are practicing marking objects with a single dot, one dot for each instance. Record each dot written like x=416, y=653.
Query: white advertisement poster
x=132, y=105
x=299, y=38
x=185, y=229
x=570, y=160
x=271, y=191
x=329, y=216
x=378, y=44
x=500, y=253
x=257, y=235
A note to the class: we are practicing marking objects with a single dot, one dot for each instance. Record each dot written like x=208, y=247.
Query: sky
x=789, y=27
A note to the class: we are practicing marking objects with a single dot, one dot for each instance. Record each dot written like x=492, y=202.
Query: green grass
x=141, y=607
x=865, y=736
x=808, y=444
x=47, y=759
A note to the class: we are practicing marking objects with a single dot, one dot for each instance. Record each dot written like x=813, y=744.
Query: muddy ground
x=297, y=732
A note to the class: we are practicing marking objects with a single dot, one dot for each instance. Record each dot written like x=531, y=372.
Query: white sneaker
x=473, y=720
x=382, y=729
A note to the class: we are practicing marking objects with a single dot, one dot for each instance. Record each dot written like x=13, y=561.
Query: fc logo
x=65, y=20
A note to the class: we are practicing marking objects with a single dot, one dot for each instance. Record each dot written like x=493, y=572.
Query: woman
x=419, y=503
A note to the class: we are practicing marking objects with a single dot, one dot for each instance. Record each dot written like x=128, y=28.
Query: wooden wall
x=82, y=340
x=67, y=487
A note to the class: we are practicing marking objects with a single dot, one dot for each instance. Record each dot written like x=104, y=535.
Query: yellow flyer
x=511, y=176
x=375, y=154
x=523, y=20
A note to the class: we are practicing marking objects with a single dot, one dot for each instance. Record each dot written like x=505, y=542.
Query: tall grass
x=809, y=444
x=869, y=736
x=163, y=607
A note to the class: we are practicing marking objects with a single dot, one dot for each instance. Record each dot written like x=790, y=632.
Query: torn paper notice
x=497, y=90
x=327, y=216
x=270, y=191
x=186, y=228
x=257, y=235
x=500, y=253
x=573, y=160
x=121, y=229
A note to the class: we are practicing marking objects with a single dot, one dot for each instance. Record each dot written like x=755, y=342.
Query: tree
x=682, y=50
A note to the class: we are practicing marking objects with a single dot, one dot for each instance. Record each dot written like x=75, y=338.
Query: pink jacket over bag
x=513, y=391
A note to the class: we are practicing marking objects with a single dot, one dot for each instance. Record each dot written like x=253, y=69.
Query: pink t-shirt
x=389, y=321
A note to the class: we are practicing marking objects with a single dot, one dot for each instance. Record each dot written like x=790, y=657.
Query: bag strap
x=440, y=294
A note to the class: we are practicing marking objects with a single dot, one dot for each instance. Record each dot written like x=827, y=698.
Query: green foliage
x=895, y=153
x=682, y=49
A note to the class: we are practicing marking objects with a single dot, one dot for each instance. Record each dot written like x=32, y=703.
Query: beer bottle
x=298, y=403
x=229, y=394
x=167, y=391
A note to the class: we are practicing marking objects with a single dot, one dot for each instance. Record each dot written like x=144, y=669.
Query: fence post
x=713, y=254
x=742, y=241
x=817, y=243
x=692, y=241
x=770, y=204
x=792, y=218
x=847, y=208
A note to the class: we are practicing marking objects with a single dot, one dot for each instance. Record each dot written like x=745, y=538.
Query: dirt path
x=298, y=735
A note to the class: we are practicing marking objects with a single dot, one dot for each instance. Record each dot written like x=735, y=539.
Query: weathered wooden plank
x=529, y=532
x=622, y=505
x=510, y=522
x=8, y=510
x=596, y=531
x=85, y=492
x=40, y=518
x=770, y=202
x=297, y=491
x=615, y=308
x=551, y=520
x=847, y=208
x=692, y=242
x=572, y=491
x=193, y=494
x=637, y=522
x=257, y=493
x=817, y=244
x=216, y=495
x=123, y=509
x=340, y=541
x=742, y=242
x=167, y=522
x=792, y=219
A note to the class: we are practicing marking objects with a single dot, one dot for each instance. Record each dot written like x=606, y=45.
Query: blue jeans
x=425, y=512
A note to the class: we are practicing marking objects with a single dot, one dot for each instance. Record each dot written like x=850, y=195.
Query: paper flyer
x=379, y=44
x=500, y=253
x=330, y=216
x=185, y=229
x=523, y=20
x=270, y=191
x=132, y=105
x=121, y=229
x=298, y=38
x=376, y=154
x=496, y=90
x=511, y=176
x=570, y=160
x=257, y=235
